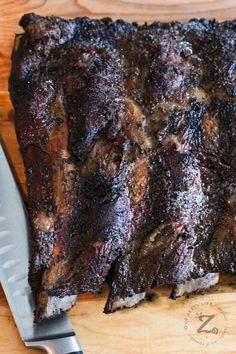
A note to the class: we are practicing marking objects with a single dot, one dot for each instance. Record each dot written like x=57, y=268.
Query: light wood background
x=156, y=327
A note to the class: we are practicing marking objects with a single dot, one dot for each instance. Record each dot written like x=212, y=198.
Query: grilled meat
x=128, y=137
x=195, y=285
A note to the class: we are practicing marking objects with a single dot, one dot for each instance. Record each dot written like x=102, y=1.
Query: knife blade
x=55, y=336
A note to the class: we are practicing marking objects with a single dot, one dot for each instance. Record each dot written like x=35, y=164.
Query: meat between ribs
x=128, y=135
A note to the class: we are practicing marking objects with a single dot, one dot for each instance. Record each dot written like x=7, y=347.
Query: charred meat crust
x=128, y=137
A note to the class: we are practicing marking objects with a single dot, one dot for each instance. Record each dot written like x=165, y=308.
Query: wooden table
x=157, y=327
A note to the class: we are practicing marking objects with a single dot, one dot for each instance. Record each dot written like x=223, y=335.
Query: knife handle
x=65, y=345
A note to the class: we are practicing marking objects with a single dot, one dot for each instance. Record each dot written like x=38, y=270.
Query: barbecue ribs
x=128, y=135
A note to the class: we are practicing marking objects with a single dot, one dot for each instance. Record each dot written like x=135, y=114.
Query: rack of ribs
x=128, y=135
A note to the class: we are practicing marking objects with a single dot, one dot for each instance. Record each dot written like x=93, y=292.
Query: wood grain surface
x=155, y=327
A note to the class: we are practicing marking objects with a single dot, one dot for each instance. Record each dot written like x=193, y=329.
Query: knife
x=55, y=336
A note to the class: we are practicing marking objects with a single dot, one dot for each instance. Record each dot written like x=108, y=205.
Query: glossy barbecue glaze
x=128, y=135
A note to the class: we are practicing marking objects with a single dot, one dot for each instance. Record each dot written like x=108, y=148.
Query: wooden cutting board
x=161, y=325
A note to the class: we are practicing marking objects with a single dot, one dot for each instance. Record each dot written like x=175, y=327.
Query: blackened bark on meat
x=128, y=137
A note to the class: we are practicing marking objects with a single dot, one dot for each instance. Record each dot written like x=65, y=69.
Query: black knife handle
x=64, y=345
